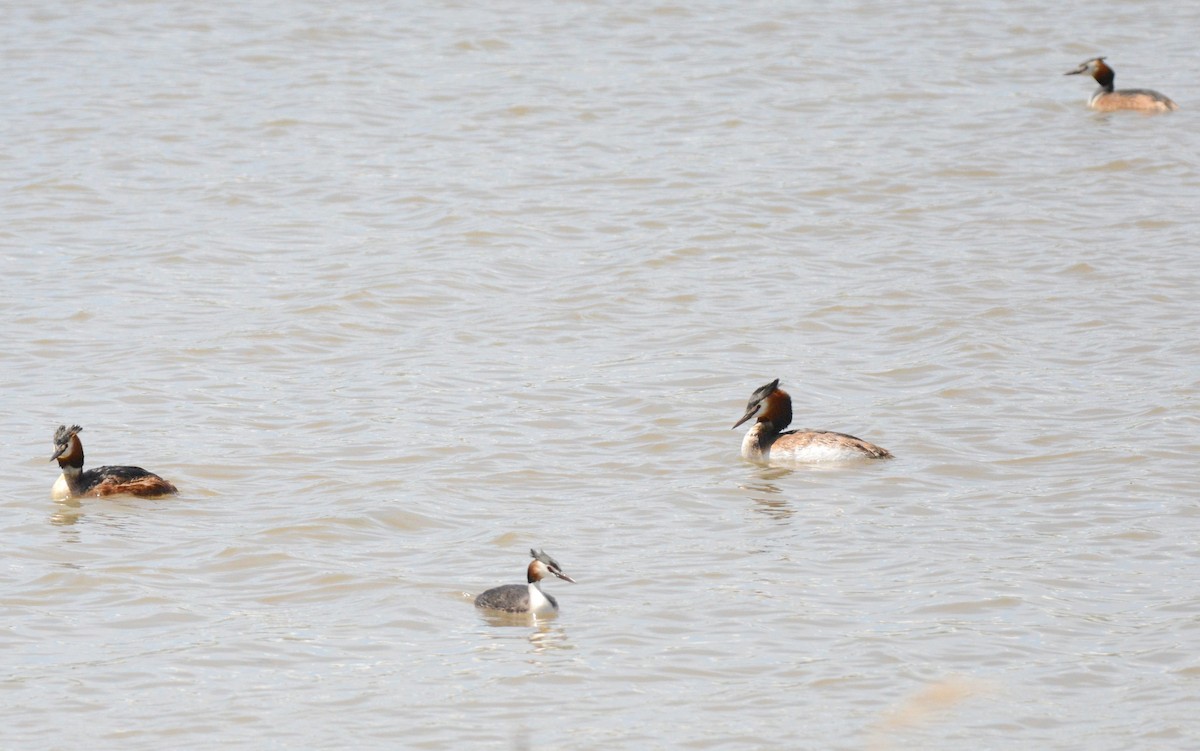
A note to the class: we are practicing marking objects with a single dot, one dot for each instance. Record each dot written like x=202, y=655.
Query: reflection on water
x=547, y=633
x=776, y=508
x=501, y=618
x=66, y=512
x=768, y=498
x=548, y=636
x=111, y=512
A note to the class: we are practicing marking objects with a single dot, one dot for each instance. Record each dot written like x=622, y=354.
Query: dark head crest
x=63, y=434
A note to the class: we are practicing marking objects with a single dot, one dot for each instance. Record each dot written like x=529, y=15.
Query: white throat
x=750, y=444
x=539, y=604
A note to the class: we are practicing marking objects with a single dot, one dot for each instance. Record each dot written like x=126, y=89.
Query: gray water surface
x=395, y=292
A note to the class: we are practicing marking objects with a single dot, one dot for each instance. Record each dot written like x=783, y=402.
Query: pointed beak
x=561, y=575
x=1077, y=71
x=58, y=453
x=749, y=413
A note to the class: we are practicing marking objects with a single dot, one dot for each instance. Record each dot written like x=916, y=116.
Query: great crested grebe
x=526, y=598
x=1106, y=99
x=765, y=442
x=74, y=482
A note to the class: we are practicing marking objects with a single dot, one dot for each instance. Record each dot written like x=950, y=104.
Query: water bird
x=1108, y=99
x=766, y=441
x=526, y=598
x=75, y=482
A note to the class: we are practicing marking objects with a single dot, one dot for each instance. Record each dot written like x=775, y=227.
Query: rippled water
x=395, y=292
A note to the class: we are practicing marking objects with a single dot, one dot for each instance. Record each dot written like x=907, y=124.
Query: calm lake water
x=395, y=292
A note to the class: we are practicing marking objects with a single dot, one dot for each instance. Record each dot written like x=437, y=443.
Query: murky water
x=396, y=292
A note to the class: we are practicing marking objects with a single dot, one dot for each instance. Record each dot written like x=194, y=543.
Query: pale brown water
x=395, y=292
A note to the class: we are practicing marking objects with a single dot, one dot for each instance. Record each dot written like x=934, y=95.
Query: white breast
x=538, y=602
x=750, y=443
x=60, y=490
